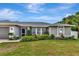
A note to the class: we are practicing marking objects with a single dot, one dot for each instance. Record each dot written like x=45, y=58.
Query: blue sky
x=37, y=12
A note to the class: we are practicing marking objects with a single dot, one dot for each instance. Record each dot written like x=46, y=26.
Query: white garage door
x=4, y=32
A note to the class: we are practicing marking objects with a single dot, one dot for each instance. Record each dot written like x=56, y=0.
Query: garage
x=4, y=32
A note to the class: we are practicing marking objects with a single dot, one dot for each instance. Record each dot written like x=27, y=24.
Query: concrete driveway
x=7, y=40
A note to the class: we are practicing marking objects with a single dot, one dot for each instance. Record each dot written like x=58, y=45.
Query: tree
x=78, y=29
x=46, y=32
x=73, y=20
x=29, y=31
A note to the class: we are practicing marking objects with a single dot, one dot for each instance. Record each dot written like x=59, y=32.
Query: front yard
x=41, y=48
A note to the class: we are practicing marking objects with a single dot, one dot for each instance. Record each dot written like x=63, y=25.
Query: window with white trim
x=38, y=30
x=33, y=30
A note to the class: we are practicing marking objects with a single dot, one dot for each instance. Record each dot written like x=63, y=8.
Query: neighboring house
x=20, y=28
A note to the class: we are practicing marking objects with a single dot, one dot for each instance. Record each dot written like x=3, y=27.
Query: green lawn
x=41, y=48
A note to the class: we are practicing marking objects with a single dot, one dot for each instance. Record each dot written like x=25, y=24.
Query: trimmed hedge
x=51, y=36
x=27, y=38
x=34, y=37
x=42, y=37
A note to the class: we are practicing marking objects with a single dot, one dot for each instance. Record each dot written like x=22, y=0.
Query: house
x=20, y=28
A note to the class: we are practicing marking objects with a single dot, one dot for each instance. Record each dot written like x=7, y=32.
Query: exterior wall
x=60, y=32
x=75, y=34
x=11, y=29
x=15, y=30
x=67, y=32
x=53, y=30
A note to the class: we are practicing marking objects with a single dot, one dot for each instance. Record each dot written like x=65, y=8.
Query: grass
x=41, y=48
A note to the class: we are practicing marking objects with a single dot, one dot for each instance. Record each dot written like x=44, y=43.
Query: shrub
x=10, y=34
x=42, y=37
x=51, y=36
x=29, y=32
x=27, y=38
x=16, y=37
x=34, y=38
x=11, y=39
x=46, y=32
x=62, y=36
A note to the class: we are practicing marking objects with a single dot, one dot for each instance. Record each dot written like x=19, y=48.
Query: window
x=23, y=30
x=43, y=30
x=38, y=30
x=33, y=30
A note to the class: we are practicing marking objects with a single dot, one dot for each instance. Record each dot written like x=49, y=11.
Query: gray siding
x=54, y=30
x=4, y=32
x=17, y=31
x=67, y=31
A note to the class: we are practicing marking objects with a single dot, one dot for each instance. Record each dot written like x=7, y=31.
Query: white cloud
x=45, y=18
x=67, y=15
x=62, y=7
x=34, y=7
x=42, y=18
x=66, y=6
x=9, y=14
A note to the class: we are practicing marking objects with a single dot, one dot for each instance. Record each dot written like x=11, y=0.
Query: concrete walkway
x=6, y=40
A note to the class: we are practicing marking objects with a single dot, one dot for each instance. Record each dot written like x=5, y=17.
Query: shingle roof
x=59, y=24
x=40, y=24
x=35, y=24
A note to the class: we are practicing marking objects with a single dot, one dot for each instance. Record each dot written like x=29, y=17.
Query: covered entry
x=4, y=32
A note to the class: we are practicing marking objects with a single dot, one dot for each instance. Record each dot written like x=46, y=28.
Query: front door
x=23, y=32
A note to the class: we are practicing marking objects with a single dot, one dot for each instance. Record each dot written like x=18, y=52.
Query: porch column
x=28, y=28
x=49, y=30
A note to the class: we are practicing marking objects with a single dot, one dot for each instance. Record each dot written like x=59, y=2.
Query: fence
x=75, y=34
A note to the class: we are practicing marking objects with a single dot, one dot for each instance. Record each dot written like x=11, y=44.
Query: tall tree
x=74, y=20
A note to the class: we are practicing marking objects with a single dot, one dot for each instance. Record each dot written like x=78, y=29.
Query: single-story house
x=20, y=28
